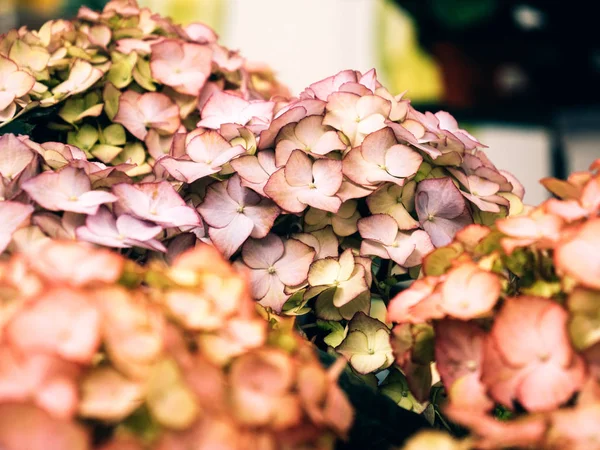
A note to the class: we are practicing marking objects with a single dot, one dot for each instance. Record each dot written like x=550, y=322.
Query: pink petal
x=316, y=199
x=263, y=253
x=231, y=237
x=292, y=268
x=221, y=108
x=378, y=227
x=283, y=194
x=327, y=174
x=218, y=209
x=401, y=161
x=298, y=170
x=12, y=215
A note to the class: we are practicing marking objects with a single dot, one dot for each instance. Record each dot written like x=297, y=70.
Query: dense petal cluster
x=185, y=358
x=514, y=318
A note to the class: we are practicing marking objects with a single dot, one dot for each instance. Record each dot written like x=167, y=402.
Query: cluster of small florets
x=510, y=316
x=97, y=352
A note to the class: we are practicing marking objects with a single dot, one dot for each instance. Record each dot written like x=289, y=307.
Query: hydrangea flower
x=235, y=213
x=303, y=183
x=275, y=265
x=540, y=375
x=69, y=189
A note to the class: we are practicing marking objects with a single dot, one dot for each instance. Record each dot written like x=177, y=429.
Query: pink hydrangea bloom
x=381, y=237
x=155, y=202
x=541, y=375
x=207, y=153
x=235, y=213
x=139, y=112
x=122, y=232
x=380, y=158
x=182, y=65
x=303, y=183
x=275, y=265
x=69, y=189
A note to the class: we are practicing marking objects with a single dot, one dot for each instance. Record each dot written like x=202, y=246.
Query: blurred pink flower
x=541, y=375
x=12, y=215
x=381, y=237
x=223, y=107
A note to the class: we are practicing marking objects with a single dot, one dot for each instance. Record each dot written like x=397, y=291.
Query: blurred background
x=523, y=76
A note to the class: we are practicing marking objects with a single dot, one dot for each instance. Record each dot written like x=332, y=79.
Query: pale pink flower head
x=207, y=153
x=579, y=256
x=308, y=135
x=324, y=88
x=12, y=215
x=379, y=159
x=381, y=237
x=459, y=354
x=69, y=189
x=223, y=107
x=587, y=203
x=356, y=116
x=469, y=291
x=155, y=202
x=541, y=375
x=303, y=183
x=343, y=222
x=275, y=265
x=182, y=65
x=59, y=227
x=122, y=232
x=14, y=83
x=255, y=170
x=234, y=213
x=441, y=209
x=140, y=112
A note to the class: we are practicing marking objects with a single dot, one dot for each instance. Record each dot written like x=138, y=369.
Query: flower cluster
x=97, y=352
x=510, y=316
x=151, y=138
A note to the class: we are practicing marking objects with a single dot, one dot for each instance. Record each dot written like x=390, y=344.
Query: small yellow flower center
x=73, y=198
x=312, y=186
x=271, y=270
x=430, y=217
x=471, y=366
x=240, y=209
